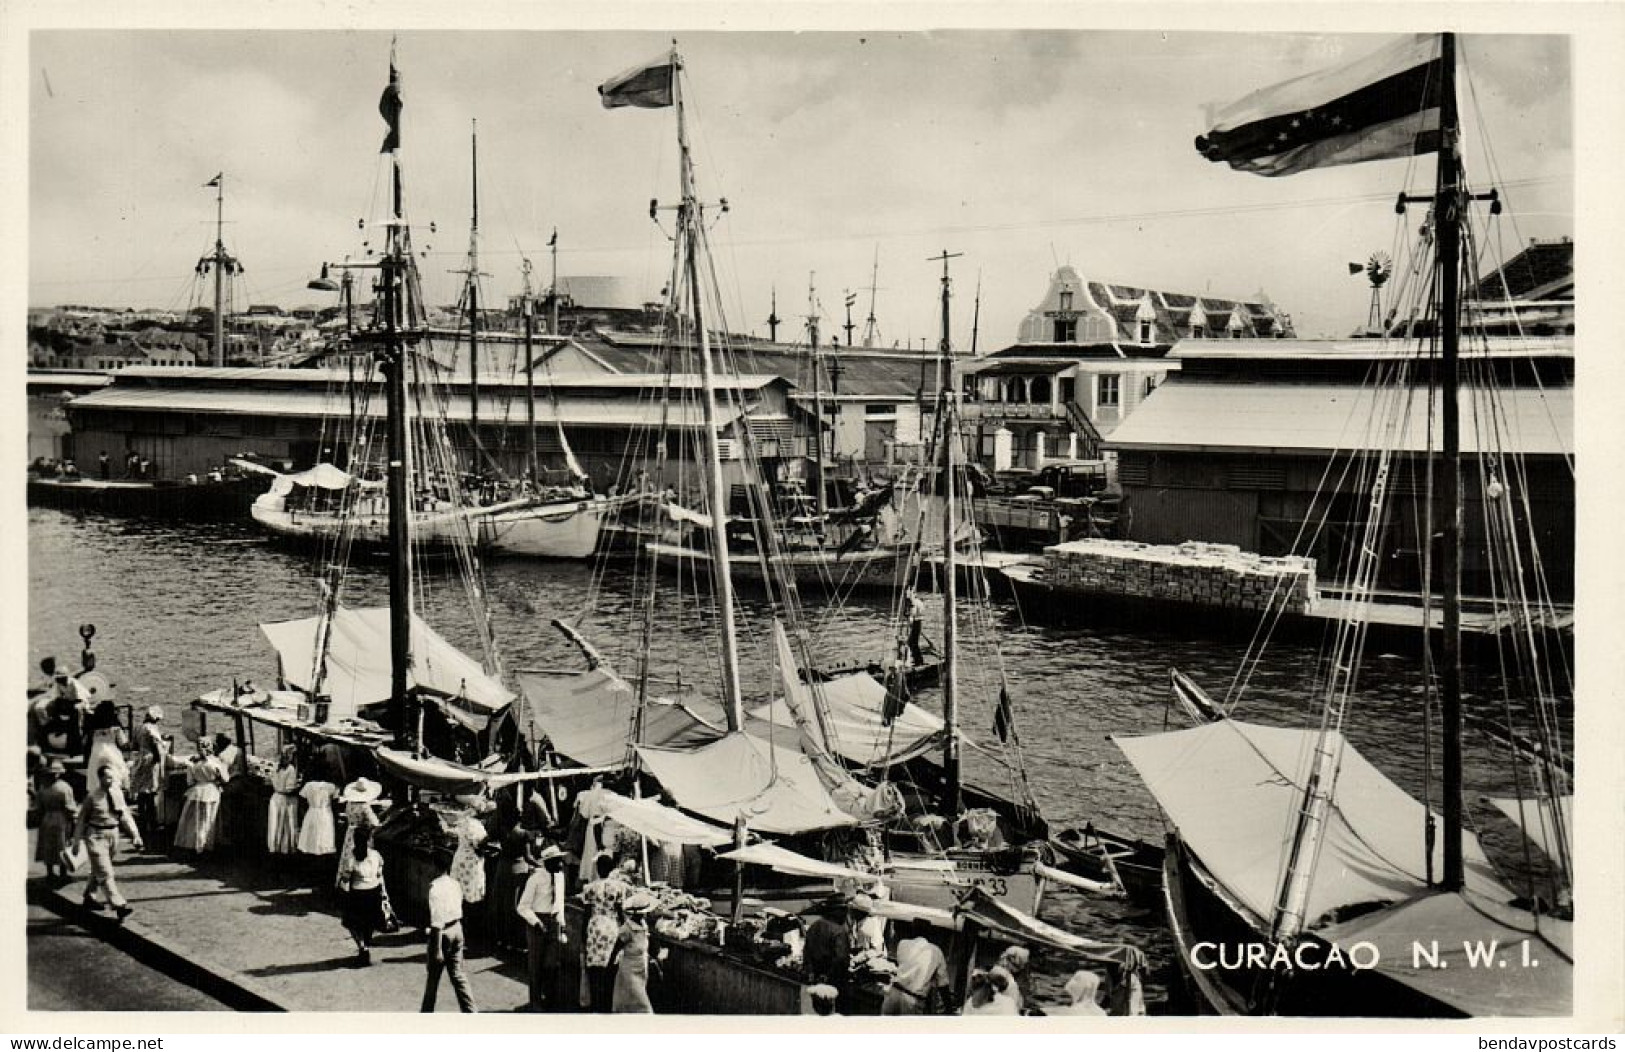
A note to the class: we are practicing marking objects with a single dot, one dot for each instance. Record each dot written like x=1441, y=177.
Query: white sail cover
x=322, y=476
x=1537, y=820
x=358, y=672
x=652, y=819
x=853, y=705
x=775, y=788
x=783, y=860
x=588, y=716
x=1233, y=790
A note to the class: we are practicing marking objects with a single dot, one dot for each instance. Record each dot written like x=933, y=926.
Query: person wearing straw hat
x=541, y=907
x=358, y=798
x=445, y=936
x=198, y=828
x=54, y=802
x=631, y=993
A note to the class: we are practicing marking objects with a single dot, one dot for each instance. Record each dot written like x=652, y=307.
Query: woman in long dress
x=361, y=880
x=603, y=897
x=199, y=825
x=282, y=821
x=316, y=833
x=149, y=771
x=632, y=958
x=54, y=802
x=468, y=865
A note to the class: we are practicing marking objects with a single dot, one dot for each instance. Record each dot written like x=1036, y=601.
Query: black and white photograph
x=732, y=518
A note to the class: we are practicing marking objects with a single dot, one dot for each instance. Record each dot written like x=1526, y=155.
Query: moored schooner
x=1300, y=880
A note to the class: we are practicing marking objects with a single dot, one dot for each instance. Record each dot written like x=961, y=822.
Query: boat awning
x=1536, y=819
x=775, y=788
x=322, y=476
x=1233, y=790
x=985, y=911
x=1407, y=936
x=453, y=778
x=854, y=704
x=358, y=672
x=783, y=860
x=652, y=819
x=588, y=716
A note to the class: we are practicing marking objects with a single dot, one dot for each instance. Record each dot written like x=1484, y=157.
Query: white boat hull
x=431, y=528
x=564, y=530
x=945, y=882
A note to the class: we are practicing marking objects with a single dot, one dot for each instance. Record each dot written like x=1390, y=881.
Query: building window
x=1145, y=332
x=1150, y=384
x=1108, y=392
x=1198, y=332
x=1066, y=330
x=878, y=409
x=1066, y=300
x=1040, y=390
x=1068, y=389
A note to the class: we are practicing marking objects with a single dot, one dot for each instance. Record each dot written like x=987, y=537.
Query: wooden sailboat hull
x=1136, y=864
x=1210, y=930
x=872, y=568
x=559, y=530
x=165, y=498
x=943, y=881
x=430, y=529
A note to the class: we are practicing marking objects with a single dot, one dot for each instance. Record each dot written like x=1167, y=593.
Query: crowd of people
x=539, y=866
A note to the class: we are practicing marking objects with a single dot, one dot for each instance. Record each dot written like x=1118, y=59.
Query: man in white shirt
x=541, y=907
x=446, y=937
x=921, y=980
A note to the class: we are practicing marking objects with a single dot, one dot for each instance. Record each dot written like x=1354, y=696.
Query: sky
x=1020, y=149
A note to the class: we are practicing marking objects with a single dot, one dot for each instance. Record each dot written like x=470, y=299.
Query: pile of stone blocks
x=1212, y=575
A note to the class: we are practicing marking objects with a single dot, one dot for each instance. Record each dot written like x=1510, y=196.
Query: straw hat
x=548, y=852
x=638, y=902
x=361, y=791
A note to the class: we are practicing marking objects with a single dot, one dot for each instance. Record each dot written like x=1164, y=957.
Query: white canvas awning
x=1233, y=790
x=588, y=716
x=775, y=788
x=653, y=819
x=783, y=860
x=358, y=657
x=853, y=705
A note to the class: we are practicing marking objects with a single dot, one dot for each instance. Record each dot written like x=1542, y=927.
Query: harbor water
x=177, y=609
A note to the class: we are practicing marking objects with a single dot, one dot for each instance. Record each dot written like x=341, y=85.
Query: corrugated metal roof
x=1356, y=350
x=607, y=412
x=1262, y=417
x=328, y=376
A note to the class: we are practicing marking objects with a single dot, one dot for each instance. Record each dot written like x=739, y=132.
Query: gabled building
x=1532, y=295
x=1086, y=356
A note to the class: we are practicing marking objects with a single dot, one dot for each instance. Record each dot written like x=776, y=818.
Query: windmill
x=1377, y=269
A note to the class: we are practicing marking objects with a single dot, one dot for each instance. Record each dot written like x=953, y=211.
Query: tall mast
x=221, y=263
x=474, y=294
x=1447, y=210
x=773, y=318
x=395, y=268
x=530, y=374
x=948, y=431
x=688, y=213
x=871, y=331
x=553, y=289
x=818, y=405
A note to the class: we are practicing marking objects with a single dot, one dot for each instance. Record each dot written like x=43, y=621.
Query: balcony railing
x=1012, y=411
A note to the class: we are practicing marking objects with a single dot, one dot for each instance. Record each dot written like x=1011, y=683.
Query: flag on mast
x=215, y=181
x=1381, y=106
x=648, y=86
x=389, y=107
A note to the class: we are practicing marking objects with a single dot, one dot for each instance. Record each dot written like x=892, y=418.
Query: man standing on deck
x=541, y=907
x=446, y=936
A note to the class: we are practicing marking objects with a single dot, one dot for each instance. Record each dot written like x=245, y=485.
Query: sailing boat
x=809, y=763
x=527, y=518
x=1299, y=879
x=380, y=677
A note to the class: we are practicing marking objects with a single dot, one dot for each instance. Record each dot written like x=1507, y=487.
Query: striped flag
x=1384, y=105
x=648, y=86
x=389, y=107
